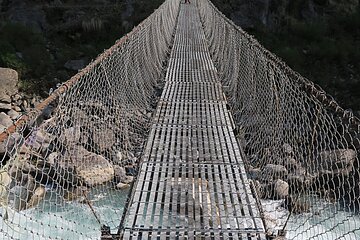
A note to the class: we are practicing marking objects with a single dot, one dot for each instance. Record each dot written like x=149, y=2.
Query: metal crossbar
x=192, y=181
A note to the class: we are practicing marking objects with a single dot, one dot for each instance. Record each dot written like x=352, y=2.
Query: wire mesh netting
x=63, y=170
x=301, y=148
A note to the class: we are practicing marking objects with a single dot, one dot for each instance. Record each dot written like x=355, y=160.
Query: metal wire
x=302, y=148
x=61, y=177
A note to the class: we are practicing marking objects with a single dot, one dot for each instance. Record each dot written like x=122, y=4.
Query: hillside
x=318, y=38
x=47, y=41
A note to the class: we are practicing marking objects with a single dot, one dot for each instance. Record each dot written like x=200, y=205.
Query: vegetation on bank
x=325, y=49
x=39, y=56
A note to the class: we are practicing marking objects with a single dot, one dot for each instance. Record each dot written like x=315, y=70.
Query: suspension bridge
x=215, y=137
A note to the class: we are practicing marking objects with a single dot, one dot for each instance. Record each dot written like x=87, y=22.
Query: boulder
x=5, y=181
x=118, y=157
x=52, y=157
x=119, y=174
x=122, y=186
x=19, y=194
x=275, y=190
x=254, y=173
x=293, y=166
x=8, y=81
x=44, y=138
x=336, y=161
x=288, y=149
x=5, y=120
x=93, y=169
x=272, y=171
x=280, y=189
x=4, y=98
x=298, y=183
x=75, y=64
x=37, y=196
x=17, y=108
x=11, y=141
x=128, y=179
x=25, y=104
x=5, y=106
x=104, y=139
x=2, y=129
x=70, y=136
x=18, y=197
x=16, y=97
x=13, y=114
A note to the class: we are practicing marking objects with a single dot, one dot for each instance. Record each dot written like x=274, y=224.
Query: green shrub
x=10, y=60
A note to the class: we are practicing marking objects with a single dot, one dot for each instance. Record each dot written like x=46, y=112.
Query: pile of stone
x=289, y=180
x=72, y=159
x=12, y=102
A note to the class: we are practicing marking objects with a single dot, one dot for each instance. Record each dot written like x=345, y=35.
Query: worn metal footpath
x=192, y=182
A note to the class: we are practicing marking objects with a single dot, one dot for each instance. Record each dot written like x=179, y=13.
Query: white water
x=325, y=221
x=55, y=219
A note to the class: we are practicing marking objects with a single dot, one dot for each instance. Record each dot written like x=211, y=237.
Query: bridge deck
x=192, y=183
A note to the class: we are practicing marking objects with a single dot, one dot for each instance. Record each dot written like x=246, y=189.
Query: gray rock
x=297, y=183
x=5, y=106
x=75, y=64
x=272, y=171
x=122, y=186
x=5, y=180
x=2, y=128
x=5, y=120
x=293, y=166
x=119, y=174
x=16, y=97
x=8, y=81
x=278, y=189
x=36, y=198
x=128, y=179
x=42, y=136
x=20, y=193
x=8, y=144
x=4, y=98
x=70, y=136
x=52, y=157
x=118, y=157
x=93, y=169
x=13, y=114
x=254, y=173
x=281, y=189
x=288, y=149
x=17, y=108
x=104, y=139
x=18, y=197
x=337, y=161
x=25, y=104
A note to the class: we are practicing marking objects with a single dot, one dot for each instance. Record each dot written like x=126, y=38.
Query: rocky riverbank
x=12, y=102
x=289, y=179
x=99, y=148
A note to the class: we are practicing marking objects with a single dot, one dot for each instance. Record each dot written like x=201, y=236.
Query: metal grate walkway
x=192, y=183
